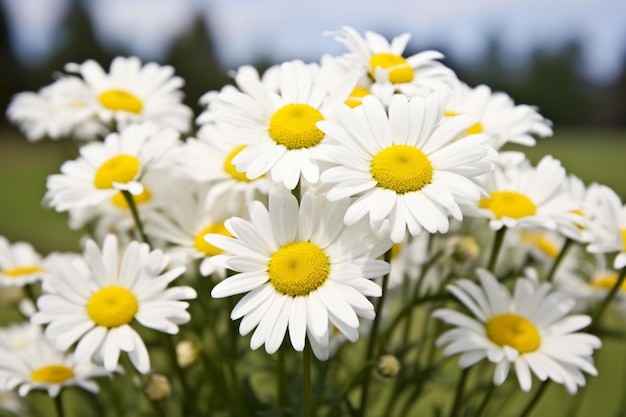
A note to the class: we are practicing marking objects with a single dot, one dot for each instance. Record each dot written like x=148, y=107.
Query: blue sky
x=286, y=29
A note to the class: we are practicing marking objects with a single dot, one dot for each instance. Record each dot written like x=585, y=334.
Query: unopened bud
x=388, y=366
x=186, y=353
x=158, y=388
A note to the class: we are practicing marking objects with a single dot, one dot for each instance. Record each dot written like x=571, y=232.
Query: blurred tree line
x=551, y=80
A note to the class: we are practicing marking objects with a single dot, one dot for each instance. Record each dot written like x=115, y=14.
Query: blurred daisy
x=40, y=366
x=95, y=307
x=609, y=226
x=132, y=93
x=301, y=269
x=9, y=401
x=20, y=264
x=384, y=71
x=104, y=169
x=19, y=335
x=530, y=329
x=500, y=118
x=403, y=166
x=279, y=129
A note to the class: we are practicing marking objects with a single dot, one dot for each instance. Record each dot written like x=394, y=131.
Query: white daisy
x=19, y=335
x=20, y=264
x=9, y=401
x=40, y=366
x=302, y=269
x=403, y=165
x=530, y=329
x=609, y=226
x=500, y=118
x=103, y=169
x=279, y=129
x=96, y=306
x=384, y=71
x=132, y=93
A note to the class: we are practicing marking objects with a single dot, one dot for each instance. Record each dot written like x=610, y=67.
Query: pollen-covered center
x=356, y=96
x=399, y=70
x=293, y=126
x=401, y=168
x=120, y=201
x=509, y=204
x=472, y=130
x=298, y=268
x=121, y=168
x=21, y=270
x=513, y=331
x=624, y=240
x=230, y=168
x=606, y=282
x=52, y=374
x=112, y=306
x=120, y=100
x=204, y=246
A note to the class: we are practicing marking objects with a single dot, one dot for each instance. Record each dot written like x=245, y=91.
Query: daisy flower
x=103, y=169
x=385, y=71
x=403, y=166
x=301, y=269
x=9, y=401
x=19, y=335
x=40, y=366
x=526, y=196
x=609, y=226
x=95, y=306
x=20, y=264
x=530, y=329
x=132, y=93
x=500, y=118
x=279, y=128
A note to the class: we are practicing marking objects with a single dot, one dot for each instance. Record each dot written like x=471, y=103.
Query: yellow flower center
x=548, y=247
x=293, y=126
x=513, y=331
x=121, y=168
x=510, y=204
x=230, y=168
x=120, y=100
x=606, y=282
x=401, y=168
x=399, y=70
x=21, y=270
x=395, y=250
x=112, y=306
x=472, y=130
x=204, y=246
x=624, y=239
x=356, y=96
x=298, y=268
x=52, y=374
x=119, y=200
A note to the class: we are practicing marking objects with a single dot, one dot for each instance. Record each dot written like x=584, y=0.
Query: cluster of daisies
x=308, y=191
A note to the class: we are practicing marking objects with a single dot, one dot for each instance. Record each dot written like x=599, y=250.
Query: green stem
x=371, y=347
x=171, y=351
x=306, y=376
x=533, y=402
x=497, y=246
x=142, y=378
x=280, y=383
x=605, y=303
x=458, y=396
x=58, y=405
x=566, y=245
x=133, y=209
x=486, y=399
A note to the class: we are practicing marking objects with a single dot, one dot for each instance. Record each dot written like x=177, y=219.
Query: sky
x=245, y=30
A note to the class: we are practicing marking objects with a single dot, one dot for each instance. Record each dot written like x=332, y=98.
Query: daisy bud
x=388, y=366
x=158, y=388
x=186, y=353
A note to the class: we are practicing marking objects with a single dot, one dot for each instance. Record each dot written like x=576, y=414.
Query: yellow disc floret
x=204, y=246
x=623, y=239
x=120, y=201
x=298, y=268
x=401, y=168
x=52, y=374
x=356, y=96
x=509, y=204
x=472, y=130
x=121, y=168
x=399, y=70
x=112, y=306
x=21, y=270
x=120, y=100
x=606, y=281
x=230, y=168
x=293, y=126
x=514, y=331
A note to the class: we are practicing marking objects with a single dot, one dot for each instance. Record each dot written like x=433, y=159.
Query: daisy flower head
x=103, y=169
x=609, y=226
x=94, y=303
x=521, y=195
x=403, y=164
x=500, y=118
x=19, y=335
x=301, y=269
x=530, y=329
x=384, y=70
x=132, y=93
x=41, y=366
x=20, y=264
x=279, y=128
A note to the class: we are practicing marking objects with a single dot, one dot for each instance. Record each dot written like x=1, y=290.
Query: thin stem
x=133, y=209
x=497, y=246
x=566, y=245
x=605, y=303
x=58, y=404
x=486, y=399
x=306, y=376
x=458, y=396
x=533, y=402
x=371, y=347
x=171, y=351
x=280, y=383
